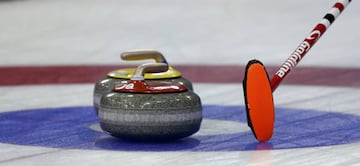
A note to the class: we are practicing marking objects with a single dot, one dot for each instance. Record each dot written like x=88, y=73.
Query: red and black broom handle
x=308, y=42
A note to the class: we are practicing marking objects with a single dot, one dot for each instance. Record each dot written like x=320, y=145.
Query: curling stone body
x=144, y=110
x=146, y=116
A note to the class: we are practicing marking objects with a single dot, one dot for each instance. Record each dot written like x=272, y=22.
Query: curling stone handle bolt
x=143, y=55
x=149, y=68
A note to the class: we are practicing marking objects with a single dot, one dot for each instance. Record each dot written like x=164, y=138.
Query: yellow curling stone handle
x=143, y=55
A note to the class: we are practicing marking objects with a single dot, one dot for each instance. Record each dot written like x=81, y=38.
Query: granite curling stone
x=121, y=76
x=150, y=111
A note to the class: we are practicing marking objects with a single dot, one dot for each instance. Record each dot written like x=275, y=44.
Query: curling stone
x=150, y=111
x=106, y=84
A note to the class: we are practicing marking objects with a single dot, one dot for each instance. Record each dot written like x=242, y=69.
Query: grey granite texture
x=106, y=84
x=140, y=116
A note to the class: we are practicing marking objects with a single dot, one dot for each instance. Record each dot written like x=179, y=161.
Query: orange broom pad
x=259, y=101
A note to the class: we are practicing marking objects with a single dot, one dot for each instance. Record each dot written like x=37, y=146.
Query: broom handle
x=308, y=42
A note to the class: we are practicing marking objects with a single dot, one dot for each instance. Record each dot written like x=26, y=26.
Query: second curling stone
x=150, y=111
x=105, y=85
